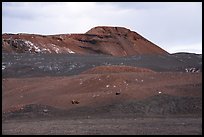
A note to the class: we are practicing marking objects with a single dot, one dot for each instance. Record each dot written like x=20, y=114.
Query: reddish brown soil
x=115, y=69
x=96, y=89
x=115, y=41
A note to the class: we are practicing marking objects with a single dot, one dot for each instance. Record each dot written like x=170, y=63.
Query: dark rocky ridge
x=34, y=65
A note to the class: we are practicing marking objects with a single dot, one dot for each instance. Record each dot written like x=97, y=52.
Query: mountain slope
x=115, y=41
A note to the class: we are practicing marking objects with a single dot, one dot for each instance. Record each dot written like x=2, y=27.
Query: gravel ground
x=105, y=126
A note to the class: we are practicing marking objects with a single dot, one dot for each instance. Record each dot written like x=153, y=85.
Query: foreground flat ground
x=106, y=126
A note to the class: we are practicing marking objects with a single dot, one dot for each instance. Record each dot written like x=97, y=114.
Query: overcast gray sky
x=175, y=27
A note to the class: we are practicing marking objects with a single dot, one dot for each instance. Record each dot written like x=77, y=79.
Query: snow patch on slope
x=70, y=51
x=192, y=70
x=32, y=46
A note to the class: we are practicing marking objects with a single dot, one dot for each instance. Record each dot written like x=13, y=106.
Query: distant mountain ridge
x=114, y=41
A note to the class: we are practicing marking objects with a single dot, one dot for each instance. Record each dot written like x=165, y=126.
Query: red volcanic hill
x=115, y=41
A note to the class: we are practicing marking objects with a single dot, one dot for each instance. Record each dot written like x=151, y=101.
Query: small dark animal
x=75, y=102
x=117, y=93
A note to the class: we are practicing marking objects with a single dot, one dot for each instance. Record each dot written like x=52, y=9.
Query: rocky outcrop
x=115, y=41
